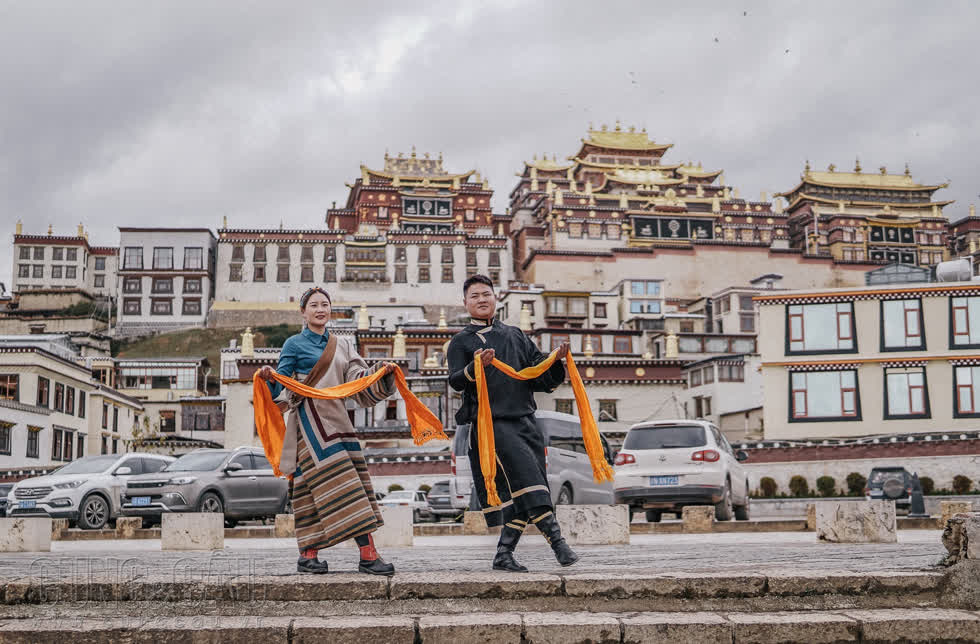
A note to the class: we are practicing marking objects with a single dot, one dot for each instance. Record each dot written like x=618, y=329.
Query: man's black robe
x=522, y=481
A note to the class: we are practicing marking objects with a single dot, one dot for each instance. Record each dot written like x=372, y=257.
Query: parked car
x=446, y=502
x=568, y=466
x=666, y=465
x=237, y=482
x=890, y=484
x=5, y=489
x=86, y=491
x=412, y=498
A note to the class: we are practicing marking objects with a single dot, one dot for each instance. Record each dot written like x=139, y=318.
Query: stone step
x=888, y=625
x=488, y=591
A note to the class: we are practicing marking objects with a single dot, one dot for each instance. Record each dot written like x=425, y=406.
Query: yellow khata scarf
x=484, y=423
x=272, y=429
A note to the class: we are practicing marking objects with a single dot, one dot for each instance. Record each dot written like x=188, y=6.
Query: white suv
x=86, y=491
x=666, y=465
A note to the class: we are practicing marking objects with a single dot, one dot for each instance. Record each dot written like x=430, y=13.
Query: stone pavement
x=732, y=552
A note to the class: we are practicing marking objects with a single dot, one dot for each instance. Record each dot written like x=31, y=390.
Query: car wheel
x=742, y=511
x=94, y=513
x=231, y=523
x=723, y=509
x=654, y=516
x=565, y=495
x=211, y=502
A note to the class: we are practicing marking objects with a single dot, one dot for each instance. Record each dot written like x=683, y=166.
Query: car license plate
x=27, y=505
x=663, y=480
x=141, y=500
x=440, y=499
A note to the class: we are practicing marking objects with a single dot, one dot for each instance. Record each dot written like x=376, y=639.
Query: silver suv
x=569, y=469
x=238, y=483
x=86, y=492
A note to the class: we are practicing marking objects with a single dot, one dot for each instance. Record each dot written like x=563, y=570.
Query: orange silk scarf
x=484, y=424
x=272, y=428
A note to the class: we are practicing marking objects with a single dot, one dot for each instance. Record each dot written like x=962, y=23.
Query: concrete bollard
x=856, y=522
x=594, y=525
x=397, y=530
x=961, y=537
x=951, y=508
x=698, y=518
x=285, y=526
x=58, y=529
x=474, y=523
x=126, y=527
x=25, y=534
x=811, y=517
x=192, y=531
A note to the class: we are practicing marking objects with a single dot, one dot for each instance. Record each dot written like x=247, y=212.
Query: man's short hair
x=476, y=279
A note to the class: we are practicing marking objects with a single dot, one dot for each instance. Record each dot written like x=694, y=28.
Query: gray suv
x=238, y=483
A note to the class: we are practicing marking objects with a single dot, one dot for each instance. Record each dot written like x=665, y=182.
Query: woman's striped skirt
x=333, y=501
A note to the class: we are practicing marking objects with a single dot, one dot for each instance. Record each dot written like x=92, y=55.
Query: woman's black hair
x=309, y=293
x=476, y=279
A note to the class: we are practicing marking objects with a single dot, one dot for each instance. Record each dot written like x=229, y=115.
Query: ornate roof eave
x=639, y=182
x=618, y=166
x=431, y=178
x=809, y=180
x=909, y=206
x=545, y=166
x=609, y=145
x=704, y=174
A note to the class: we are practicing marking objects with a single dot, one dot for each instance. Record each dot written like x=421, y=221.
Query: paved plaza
x=732, y=552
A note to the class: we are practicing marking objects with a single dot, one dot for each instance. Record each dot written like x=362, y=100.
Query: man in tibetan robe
x=521, y=479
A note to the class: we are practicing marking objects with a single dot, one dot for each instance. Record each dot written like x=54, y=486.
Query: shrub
x=394, y=487
x=798, y=486
x=826, y=485
x=855, y=484
x=928, y=485
x=425, y=488
x=768, y=486
x=962, y=484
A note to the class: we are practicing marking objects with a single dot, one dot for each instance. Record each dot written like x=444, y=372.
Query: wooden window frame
x=795, y=417
x=616, y=341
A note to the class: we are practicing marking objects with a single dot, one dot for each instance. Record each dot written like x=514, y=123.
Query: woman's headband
x=309, y=293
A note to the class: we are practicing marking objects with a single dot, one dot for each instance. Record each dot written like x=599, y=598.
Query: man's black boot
x=371, y=562
x=549, y=527
x=504, y=559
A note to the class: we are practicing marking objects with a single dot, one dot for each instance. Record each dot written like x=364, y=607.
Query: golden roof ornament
x=715, y=204
x=19, y=228
x=806, y=168
x=81, y=230
x=442, y=319
x=908, y=173
x=413, y=152
x=857, y=165
x=588, y=351
x=525, y=321
x=973, y=210
x=699, y=191
x=248, y=343
x=224, y=221
x=831, y=168
x=883, y=170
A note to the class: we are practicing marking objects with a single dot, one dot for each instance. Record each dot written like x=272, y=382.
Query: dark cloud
x=120, y=114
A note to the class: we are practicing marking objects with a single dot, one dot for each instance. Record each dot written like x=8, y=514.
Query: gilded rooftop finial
x=857, y=165
x=831, y=168
x=618, y=127
x=883, y=170
x=413, y=152
x=908, y=173
x=806, y=168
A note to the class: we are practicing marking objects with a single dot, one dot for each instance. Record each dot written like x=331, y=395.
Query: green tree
x=768, y=486
x=928, y=485
x=962, y=484
x=798, y=486
x=826, y=485
x=855, y=484
x=394, y=487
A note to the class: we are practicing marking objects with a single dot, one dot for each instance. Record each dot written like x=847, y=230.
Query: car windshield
x=197, y=462
x=90, y=465
x=439, y=488
x=665, y=437
x=401, y=495
x=880, y=476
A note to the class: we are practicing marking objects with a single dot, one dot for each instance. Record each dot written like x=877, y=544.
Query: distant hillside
x=200, y=342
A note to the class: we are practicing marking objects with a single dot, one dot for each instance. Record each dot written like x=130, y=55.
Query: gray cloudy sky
x=177, y=113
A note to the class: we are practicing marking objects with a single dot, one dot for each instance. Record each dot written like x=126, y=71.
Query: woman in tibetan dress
x=332, y=496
